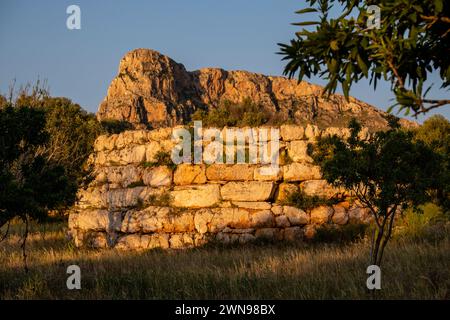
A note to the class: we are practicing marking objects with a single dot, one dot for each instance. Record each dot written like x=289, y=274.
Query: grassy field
x=411, y=270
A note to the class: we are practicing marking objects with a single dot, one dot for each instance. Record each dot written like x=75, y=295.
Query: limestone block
x=301, y=172
x=319, y=188
x=321, y=214
x=247, y=191
x=157, y=176
x=291, y=132
x=298, y=151
x=196, y=196
x=223, y=172
x=295, y=216
x=186, y=174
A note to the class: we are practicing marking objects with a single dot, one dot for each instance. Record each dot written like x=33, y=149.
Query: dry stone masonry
x=134, y=203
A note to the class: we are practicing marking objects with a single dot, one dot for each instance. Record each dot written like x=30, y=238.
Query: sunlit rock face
x=152, y=90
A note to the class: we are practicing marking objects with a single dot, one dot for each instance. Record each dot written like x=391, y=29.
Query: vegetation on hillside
x=229, y=114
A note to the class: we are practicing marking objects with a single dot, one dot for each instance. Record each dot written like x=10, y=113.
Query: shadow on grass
x=258, y=271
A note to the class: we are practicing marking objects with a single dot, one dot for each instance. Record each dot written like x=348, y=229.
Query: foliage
x=135, y=184
x=411, y=42
x=431, y=224
x=31, y=184
x=230, y=114
x=340, y=234
x=115, y=126
x=387, y=173
x=435, y=133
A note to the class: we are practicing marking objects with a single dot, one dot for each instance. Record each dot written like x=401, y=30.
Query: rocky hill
x=152, y=90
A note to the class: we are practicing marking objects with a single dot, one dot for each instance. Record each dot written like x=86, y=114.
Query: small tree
x=386, y=173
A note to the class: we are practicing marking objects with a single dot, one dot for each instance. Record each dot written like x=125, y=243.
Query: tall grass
x=411, y=270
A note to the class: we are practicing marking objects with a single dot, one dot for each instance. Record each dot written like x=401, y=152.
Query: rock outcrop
x=152, y=90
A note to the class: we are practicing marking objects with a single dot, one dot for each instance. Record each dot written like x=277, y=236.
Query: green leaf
x=362, y=65
x=306, y=10
x=305, y=23
x=334, y=45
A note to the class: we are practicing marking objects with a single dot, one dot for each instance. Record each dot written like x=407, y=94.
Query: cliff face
x=152, y=90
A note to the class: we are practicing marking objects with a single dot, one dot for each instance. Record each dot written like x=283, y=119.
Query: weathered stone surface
x=290, y=132
x=320, y=215
x=285, y=190
x=269, y=234
x=247, y=191
x=298, y=151
x=263, y=218
x=151, y=150
x=301, y=172
x=296, y=216
x=293, y=234
x=202, y=219
x=197, y=196
x=277, y=210
x=122, y=175
x=149, y=220
x=309, y=231
x=136, y=242
x=312, y=132
x=282, y=221
x=340, y=132
x=252, y=205
x=159, y=134
x=229, y=217
x=157, y=176
x=268, y=173
x=319, y=188
x=187, y=174
x=223, y=172
x=91, y=239
x=358, y=214
x=182, y=240
x=97, y=220
x=93, y=197
x=120, y=198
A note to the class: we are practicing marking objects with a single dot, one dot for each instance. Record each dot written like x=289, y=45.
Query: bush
x=115, y=126
x=340, y=234
x=430, y=223
x=305, y=202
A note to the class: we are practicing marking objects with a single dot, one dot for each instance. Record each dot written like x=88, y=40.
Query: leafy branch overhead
x=410, y=42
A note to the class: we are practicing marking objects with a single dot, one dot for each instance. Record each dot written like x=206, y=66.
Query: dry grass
x=412, y=270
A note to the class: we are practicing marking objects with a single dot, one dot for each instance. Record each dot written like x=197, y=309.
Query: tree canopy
x=411, y=41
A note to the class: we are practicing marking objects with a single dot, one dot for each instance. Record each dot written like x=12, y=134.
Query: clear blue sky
x=79, y=64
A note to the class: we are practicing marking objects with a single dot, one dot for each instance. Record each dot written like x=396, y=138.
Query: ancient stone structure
x=152, y=90
x=135, y=202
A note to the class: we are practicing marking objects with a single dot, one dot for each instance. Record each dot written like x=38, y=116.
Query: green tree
x=411, y=42
x=387, y=173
